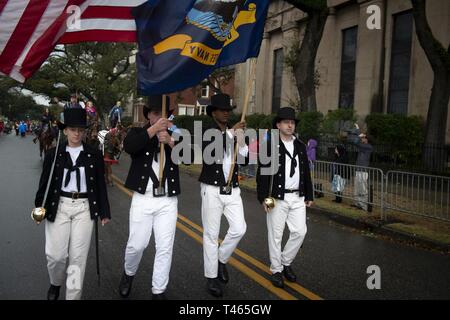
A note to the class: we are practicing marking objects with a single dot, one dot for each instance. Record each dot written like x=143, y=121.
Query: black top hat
x=155, y=104
x=219, y=101
x=73, y=117
x=286, y=113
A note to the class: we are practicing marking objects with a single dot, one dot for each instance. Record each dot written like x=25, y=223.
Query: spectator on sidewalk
x=340, y=173
x=22, y=129
x=361, y=190
x=311, y=153
x=73, y=103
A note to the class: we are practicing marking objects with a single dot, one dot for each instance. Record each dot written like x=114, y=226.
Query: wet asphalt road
x=332, y=264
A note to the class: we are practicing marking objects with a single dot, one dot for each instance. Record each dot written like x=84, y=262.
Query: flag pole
x=161, y=150
x=244, y=113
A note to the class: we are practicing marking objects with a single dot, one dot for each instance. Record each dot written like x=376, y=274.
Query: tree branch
x=429, y=43
x=212, y=85
x=114, y=77
x=309, y=6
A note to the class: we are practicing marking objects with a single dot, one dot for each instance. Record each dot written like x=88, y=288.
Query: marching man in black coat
x=151, y=210
x=76, y=198
x=292, y=189
x=220, y=198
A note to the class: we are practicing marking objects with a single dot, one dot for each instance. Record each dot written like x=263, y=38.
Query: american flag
x=30, y=29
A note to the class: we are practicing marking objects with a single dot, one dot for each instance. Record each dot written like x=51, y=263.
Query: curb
x=383, y=230
x=378, y=228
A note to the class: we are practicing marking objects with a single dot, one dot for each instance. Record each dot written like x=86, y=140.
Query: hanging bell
x=270, y=202
x=38, y=214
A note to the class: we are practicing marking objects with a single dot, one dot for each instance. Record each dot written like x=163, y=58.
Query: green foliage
x=309, y=125
x=292, y=55
x=396, y=130
x=404, y=135
x=187, y=122
x=338, y=121
x=254, y=120
x=16, y=105
x=266, y=123
x=99, y=71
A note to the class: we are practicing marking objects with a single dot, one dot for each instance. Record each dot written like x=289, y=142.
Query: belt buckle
x=75, y=195
x=226, y=190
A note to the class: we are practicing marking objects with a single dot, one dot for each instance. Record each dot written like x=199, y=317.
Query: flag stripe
x=55, y=9
x=9, y=18
x=96, y=12
x=42, y=48
x=2, y=5
x=117, y=3
x=31, y=28
x=22, y=33
x=98, y=35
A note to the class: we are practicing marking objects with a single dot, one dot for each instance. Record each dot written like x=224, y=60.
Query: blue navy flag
x=181, y=42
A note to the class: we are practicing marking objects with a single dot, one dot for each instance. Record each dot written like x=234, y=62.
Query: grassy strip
x=437, y=231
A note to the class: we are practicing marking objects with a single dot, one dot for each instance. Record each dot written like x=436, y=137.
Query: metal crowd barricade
x=412, y=193
x=364, y=185
x=418, y=194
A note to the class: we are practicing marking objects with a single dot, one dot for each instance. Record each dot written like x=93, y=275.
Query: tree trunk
x=305, y=69
x=434, y=153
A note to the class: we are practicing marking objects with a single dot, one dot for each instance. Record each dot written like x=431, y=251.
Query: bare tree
x=439, y=58
x=304, y=69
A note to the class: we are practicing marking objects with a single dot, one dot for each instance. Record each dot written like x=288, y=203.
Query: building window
x=400, y=63
x=205, y=90
x=348, y=68
x=201, y=109
x=277, y=79
x=186, y=110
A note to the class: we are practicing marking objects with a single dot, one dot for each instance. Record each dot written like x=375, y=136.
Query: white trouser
x=214, y=205
x=290, y=211
x=361, y=192
x=159, y=214
x=69, y=237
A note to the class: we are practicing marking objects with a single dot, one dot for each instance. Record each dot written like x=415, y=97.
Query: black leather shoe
x=53, y=292
x=214, y=287
x=222, y=273
x=159, y=296
x=125, y=285
x=277, y=280
x=289, y=274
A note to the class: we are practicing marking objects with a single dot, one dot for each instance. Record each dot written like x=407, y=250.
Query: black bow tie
x=293, y=160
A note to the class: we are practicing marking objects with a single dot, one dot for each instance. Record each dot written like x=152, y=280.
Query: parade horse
x=111, y=143
x=45, y=137
x=91, y=137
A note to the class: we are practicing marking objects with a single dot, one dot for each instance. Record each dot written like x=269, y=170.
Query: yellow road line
x=295, y=286
x=282, y=294
x=235, y=263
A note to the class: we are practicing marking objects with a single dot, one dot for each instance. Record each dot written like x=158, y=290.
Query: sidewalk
x=400, y=227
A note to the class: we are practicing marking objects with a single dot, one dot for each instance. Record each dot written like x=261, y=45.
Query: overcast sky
x=38, y=98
